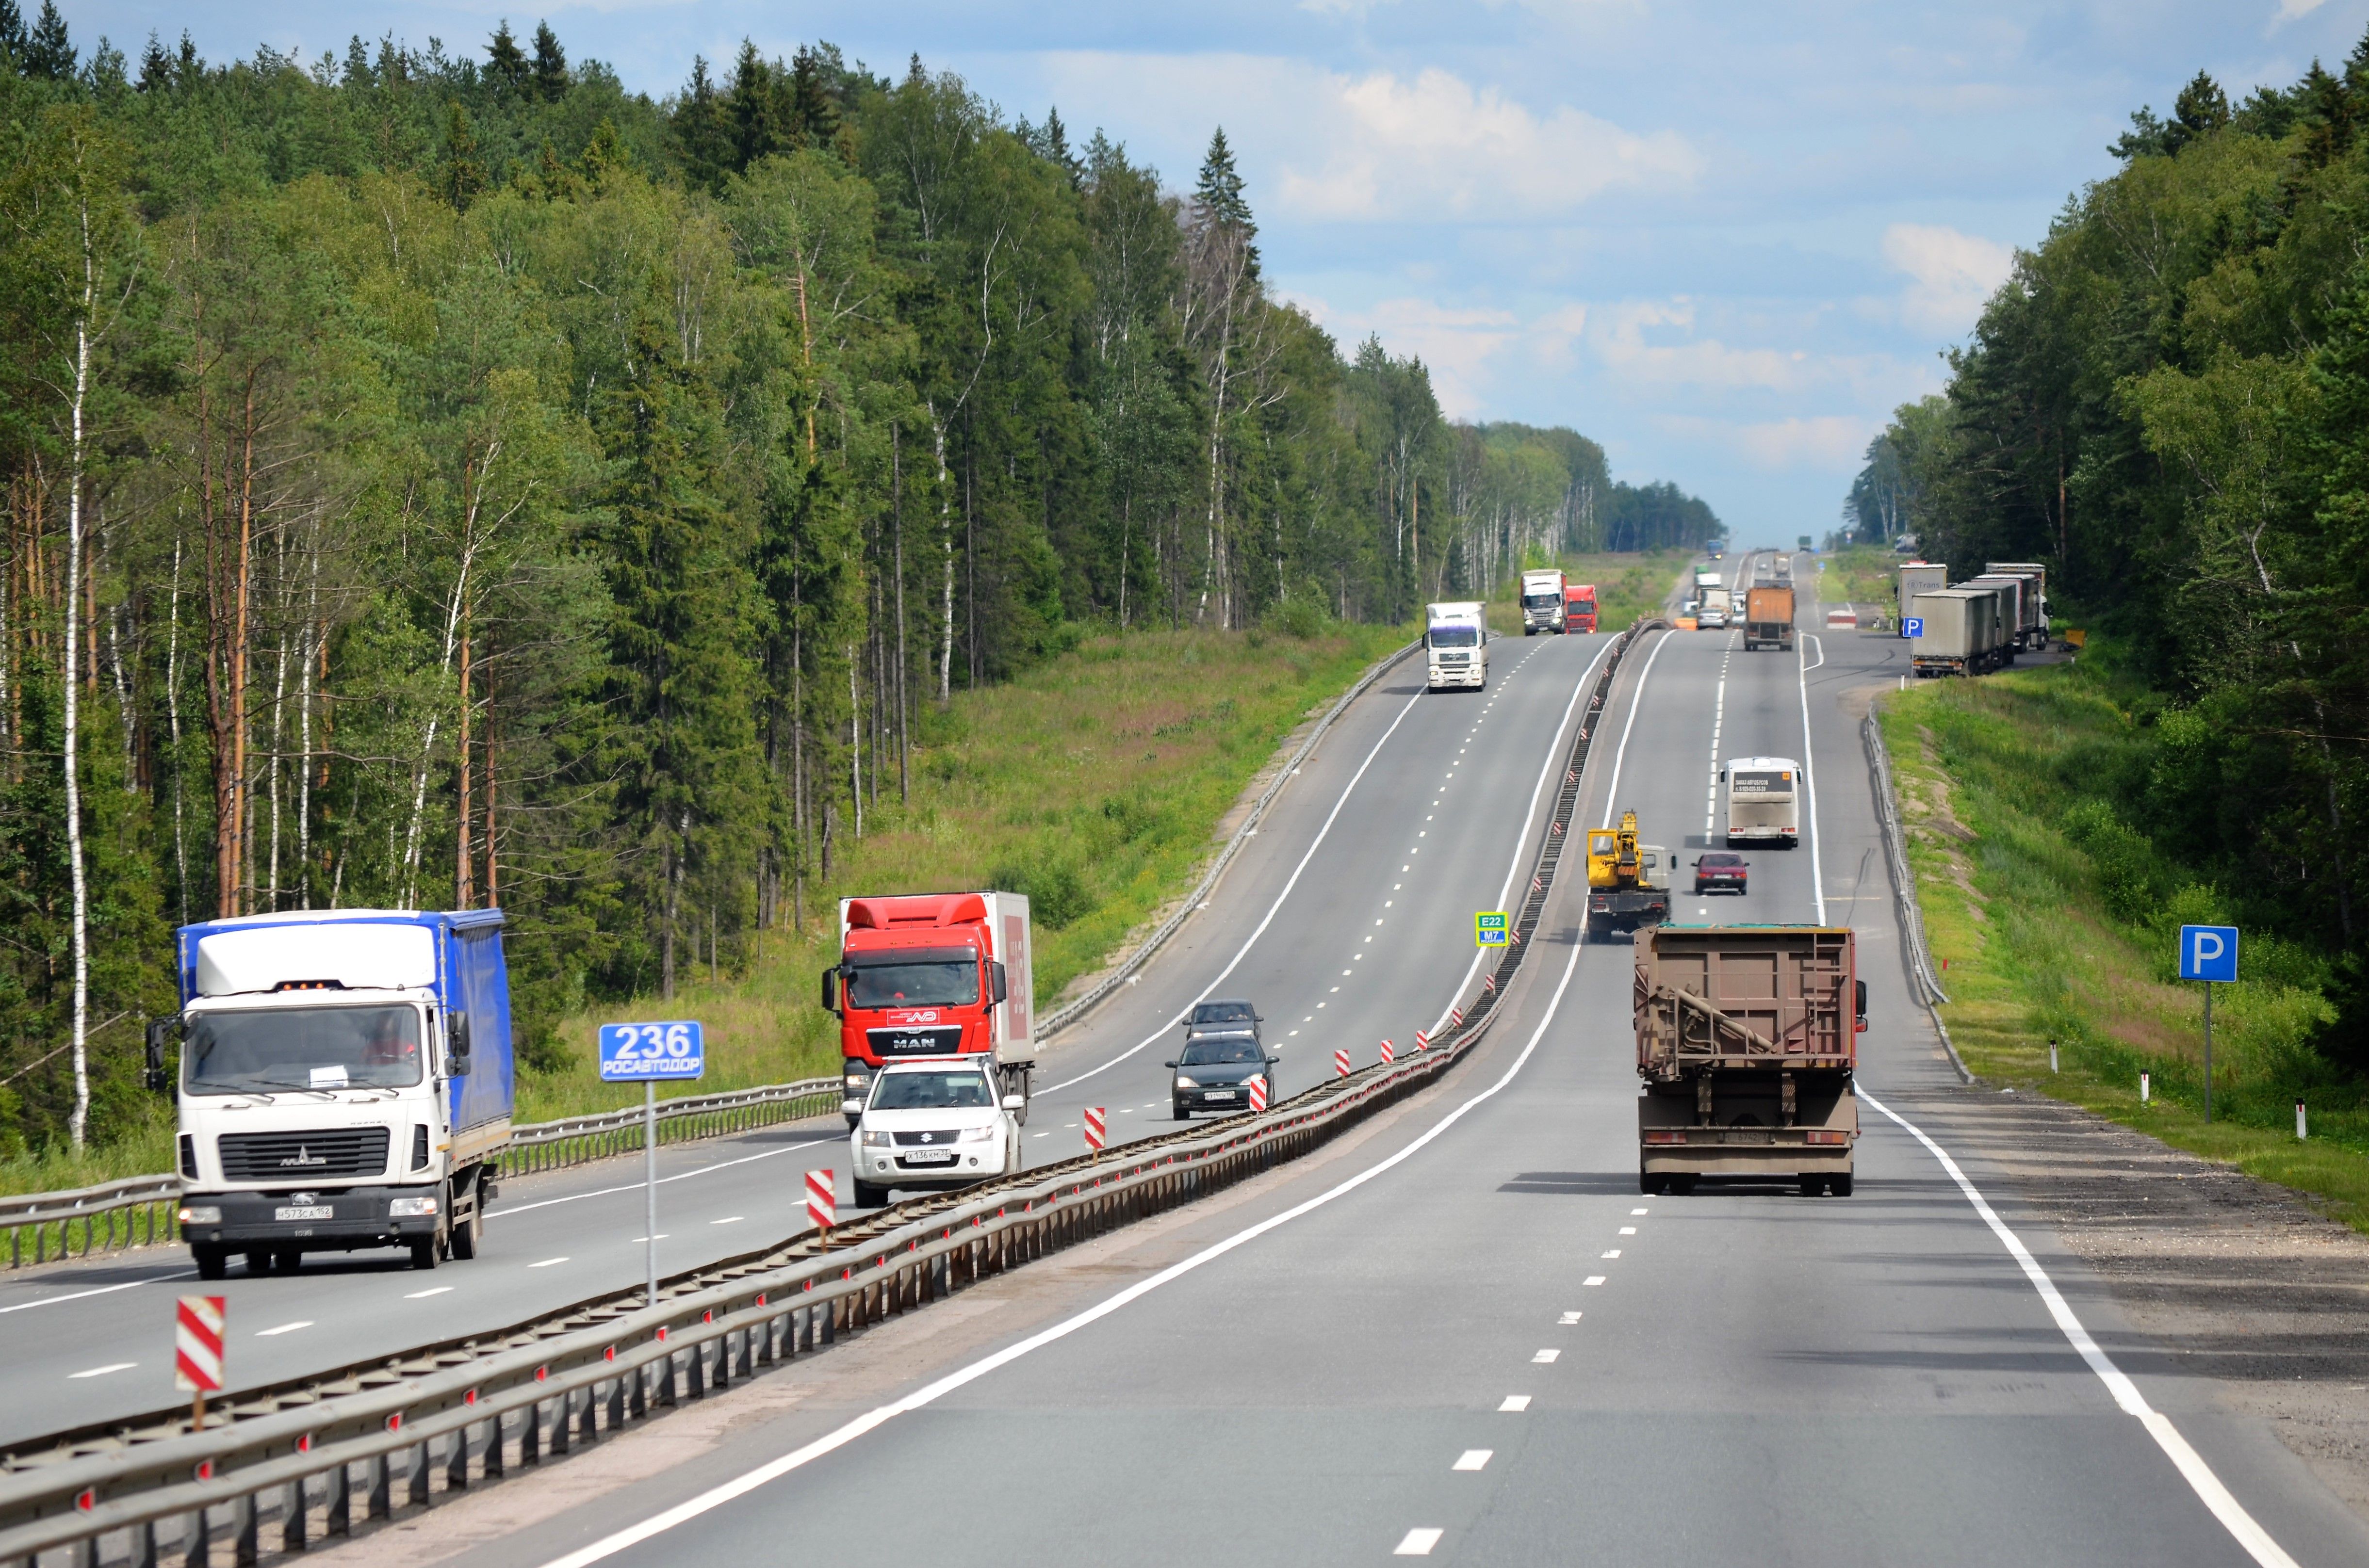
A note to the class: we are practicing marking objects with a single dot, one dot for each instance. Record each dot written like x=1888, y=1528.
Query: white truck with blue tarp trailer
x=345, y=1081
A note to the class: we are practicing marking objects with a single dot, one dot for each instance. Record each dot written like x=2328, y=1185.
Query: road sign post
x=1491, y=928
x=2208, y=954
x=198, y=1352
x=649, y=1052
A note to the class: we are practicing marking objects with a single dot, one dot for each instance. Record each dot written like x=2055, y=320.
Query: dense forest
x=435, y=479
x=2168, y=403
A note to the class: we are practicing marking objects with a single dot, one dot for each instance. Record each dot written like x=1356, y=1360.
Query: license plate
x=1219, y=1094
x=307, y=1211
x=931, y=1157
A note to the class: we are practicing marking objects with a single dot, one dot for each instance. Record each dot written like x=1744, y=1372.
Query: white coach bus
x=1764, y=801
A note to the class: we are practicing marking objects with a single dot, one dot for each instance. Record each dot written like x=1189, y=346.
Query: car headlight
x=1185, y=1083
x=976, y=1134
x=201, y=1214
x=878, y=1140
x=410, y=1208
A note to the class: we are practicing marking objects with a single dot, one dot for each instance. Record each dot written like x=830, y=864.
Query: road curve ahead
x=1462, y=1332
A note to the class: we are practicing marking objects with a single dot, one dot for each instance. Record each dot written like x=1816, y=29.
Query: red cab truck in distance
x=1579, y=607
x=933, y=975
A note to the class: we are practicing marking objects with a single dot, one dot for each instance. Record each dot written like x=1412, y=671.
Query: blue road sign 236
x=2208, y=952
x=634, y=1053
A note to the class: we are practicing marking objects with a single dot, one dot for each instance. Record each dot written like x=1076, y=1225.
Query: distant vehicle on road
x=1768, y=616
x=929, y=1125
x=1455, y=642
x=1579, y=607
x=1720, y=870
x=1227, y=1015
x=1764, y=801
x=932, y=974
x=1214, y=1070
x=1542, y=602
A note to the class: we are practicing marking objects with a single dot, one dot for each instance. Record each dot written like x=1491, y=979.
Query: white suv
x=932, y=1125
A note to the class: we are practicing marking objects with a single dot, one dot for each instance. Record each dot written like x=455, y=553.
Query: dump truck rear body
x=1746, y=1041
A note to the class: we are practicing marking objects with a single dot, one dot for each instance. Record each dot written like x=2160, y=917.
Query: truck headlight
x=201, y=1214
x=976, y=1134
x=878, y=1140
x=1185, y=1083
x=410, y=1208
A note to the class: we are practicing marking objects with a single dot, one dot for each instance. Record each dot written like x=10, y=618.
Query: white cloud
x=1621, y=341
x=1823, y=441
x=1387, y=147
x=2291, y=9
x=1455, y=343
x=1951, y=274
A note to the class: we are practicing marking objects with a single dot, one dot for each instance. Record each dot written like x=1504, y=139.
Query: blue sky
x=1723, y=239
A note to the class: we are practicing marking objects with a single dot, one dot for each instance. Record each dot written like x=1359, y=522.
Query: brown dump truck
x=1768, y=617
x=1747, y=1037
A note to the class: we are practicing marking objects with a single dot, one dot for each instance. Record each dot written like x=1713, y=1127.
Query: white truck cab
x=1456, y=645
x=930, y=1125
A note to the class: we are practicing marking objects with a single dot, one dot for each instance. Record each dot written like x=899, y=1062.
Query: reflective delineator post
x=1387, y=1057
x=2299, y=1133
x=2142, y=1088
x=1258, y=1092
x=1341, y=1062
x=822, y=1199
x=1095, y=1124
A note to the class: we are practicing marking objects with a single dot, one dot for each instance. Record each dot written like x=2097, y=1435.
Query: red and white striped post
x=1388, y=1057
x=198, y=1352
x=1096, y=1135
x=1258, y=1092
x=1456, y=1016
x=822, y=1199
x=1341, y=1062
x=1422, y=1040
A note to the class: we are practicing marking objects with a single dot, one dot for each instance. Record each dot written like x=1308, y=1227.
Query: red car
x=1720, y=869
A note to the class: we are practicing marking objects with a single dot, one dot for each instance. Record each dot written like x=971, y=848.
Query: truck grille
x=943, y=1042
x=304, y=1156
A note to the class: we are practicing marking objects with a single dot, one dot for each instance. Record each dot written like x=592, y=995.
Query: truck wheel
x=1683, y=1183
x=425, y=1254
x=868, y=1196
x=465, y=1232
x=214, y=1262
x=259, y=1261
x=1839, y=1186
x=1812, y=1185
x=287, y=1260
x=1651, y=1184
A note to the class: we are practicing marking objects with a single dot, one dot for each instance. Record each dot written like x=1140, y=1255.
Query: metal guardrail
x=1904, y=887
x=131, y=1211
x=1071, y=1012
x=387, y=1438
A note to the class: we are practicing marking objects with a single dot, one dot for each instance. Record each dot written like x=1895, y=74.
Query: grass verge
x=2058, y=921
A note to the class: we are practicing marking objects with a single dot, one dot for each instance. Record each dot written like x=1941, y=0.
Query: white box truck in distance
x=1456, y=645
x=1918, y=577
x=1542, y=602
x=345, y=1081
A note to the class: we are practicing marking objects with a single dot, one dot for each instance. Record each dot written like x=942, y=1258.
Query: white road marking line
x=1636, y=1210
x=431, y=1290
x=1268, y=918
x=1810, y=778
x=679, y=1176
x=2190, y=1463
x=1568, y=1318
x=1545, y=1358
x=1593, y=1280
x=283, y=1328
x=1048, y=1135
x=1614, y=1253
x=638, y=1241
x=547, y=1263
x=729, y=1219
x=101, y=1291
x=1628, y=1229
x=1515, y=1402
x=102, y=1372
x=1473, y=1458
x=830, y=1442
x=1418, y=1543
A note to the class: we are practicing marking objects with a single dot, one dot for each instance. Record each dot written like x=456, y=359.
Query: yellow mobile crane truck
x=1625, y=889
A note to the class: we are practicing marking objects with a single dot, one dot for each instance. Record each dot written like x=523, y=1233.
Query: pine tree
x=814, y=103
x=505, y=62
x=50, y=52
x=2201, y=109
x=605, y=154
x=550, y=64
x=464, y=172
x=155, y=65
x=1219, y=196
x=703, y=139
x=12, y=35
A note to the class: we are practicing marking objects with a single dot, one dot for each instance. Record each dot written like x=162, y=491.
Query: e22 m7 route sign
x=645, y=1053
x=1490, y=928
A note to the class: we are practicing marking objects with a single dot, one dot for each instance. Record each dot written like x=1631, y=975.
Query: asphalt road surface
x=1461, y=1332
x=1349, y=921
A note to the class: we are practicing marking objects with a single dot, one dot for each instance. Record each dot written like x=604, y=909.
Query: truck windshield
x=1456, y=637
x=914, y=984
x=1539, y=601
x=960, y=1089
x=301, y=1048
x=1763, y=784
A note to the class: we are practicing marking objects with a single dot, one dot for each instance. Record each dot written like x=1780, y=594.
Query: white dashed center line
x=431, y=1290
x=283, y=1328
x=1515, y=1402
x=102, y=1372
x=1568, y=1318
x=1593, y=1280
x=1418, y=1543
x=1628, y=1229
x=1473, y=1458
x=1545, y=1358
x=547, y=1263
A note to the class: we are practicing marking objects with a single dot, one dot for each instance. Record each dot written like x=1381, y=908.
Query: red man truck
x=933, y=975
x=1579, y=607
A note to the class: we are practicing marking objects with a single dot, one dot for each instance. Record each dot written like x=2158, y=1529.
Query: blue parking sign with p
x=1912, y=626
x=2208, y=952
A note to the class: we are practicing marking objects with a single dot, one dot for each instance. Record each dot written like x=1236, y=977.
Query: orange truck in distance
x=933, y=975
x=1579, y=607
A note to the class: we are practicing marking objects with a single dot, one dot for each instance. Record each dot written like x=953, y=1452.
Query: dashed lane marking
x=1515, y=1403
x=283, y=1328
x=1418, y=1543
x=1545, y=1358
x=102, y=1372
x=1473, y=1458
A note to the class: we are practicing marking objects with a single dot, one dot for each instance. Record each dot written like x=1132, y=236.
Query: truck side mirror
x=456, y=1045
x=159, y=1081
x=1002, y=986
x=830, y=989
x=1858, y=990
